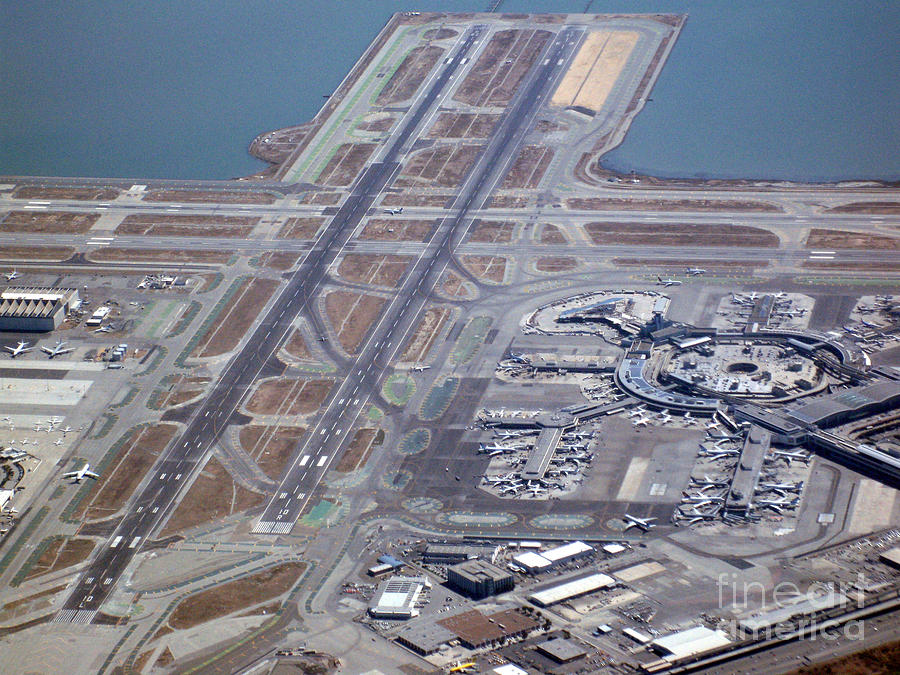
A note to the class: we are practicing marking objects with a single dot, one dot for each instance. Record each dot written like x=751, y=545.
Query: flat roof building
x=562, y=650
x=35, y=310
x=479, y=579
x=397, y=597
x=689, y=643
x=572, y=589
x=532, y=562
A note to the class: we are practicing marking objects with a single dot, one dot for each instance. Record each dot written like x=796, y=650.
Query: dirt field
x=372, y=268
x=556, y=264
x=877, y=208
x=492, y=231
x=680, y=235
x=163, y=255
x=182, y=390
x=213, y=495
x=345, y=164
x=271, y=447
x=358, y=451
x=30, y=253
x=235, y=318
x=321, y=198
x=548, y=127
x=454, y=287
x=236, y=595
x=493, y=79
x=61, y=553
x=48, y=222
x=289, y=397
x=300, y=228
x=166, y=225
x=409, y=75
x=87, y=194
x=209, y=197
x=595, y=69
x=486, y=267
x=551, y=234
x=426, y=333
x=278, y=260
x=850, y=266
x=670, y=266
x=441, y=166
x=508, y=202
x=820, y=238
x=881, y=660
x=378, y=122
x=600, y=204
x=463, y=125
x=398, y=230
x=351, y=315
x=529, y=167
x=296, y=346
x=406, y=199
x=439, y=34
x=118, y=481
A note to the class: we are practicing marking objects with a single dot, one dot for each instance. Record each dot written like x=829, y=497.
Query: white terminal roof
x=567, y=551
x=509, y=669
x=572, y=589
x=532, y=560
x=690, y=642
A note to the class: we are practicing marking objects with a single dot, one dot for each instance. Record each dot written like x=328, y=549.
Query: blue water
x=803, y=91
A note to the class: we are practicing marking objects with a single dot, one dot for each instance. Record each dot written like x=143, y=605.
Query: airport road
x=330, y=434
x=160, y=487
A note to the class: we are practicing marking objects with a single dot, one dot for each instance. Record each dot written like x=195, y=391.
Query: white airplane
x=394, y=212
x=12, y=275
x=644, y=524
x=667, y=282
x=782, y=487
x=21, y=348
x=484, y=448
x=637, y=412
x=695, y=271
x=791, y=456
x=58, y=441
x=104, y=329
x=718, y=453
x=642, y=422
x=58, y=349
x=65, y=431
x=419, y=369
x=81, y=474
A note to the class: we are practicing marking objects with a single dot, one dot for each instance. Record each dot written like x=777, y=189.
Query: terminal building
x=479, y=579
x=36, y=310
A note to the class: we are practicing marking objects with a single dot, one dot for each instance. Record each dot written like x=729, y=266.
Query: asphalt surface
x=158, y=490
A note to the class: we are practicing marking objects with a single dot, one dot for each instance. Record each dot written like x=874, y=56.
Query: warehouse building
x=572, y=589
x=479, y=579
x=36, y=310
x=562, y=650
x=534, y=563
x=689, y=643
x=450, y=554
x=397, y=598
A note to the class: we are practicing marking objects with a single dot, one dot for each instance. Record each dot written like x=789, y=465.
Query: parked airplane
x=104, y=329
x=791, y=456
x=695, y=271
x=21, y=348
x=642, y=422
x=394, y=212
x=667, y=282
x=58, y=441
x=636, y=412
x=491, y=448
x=419, y=369
x=58, y=349
x=12, y=275
x=644, y=524
x=81, y=474
x=66, y=430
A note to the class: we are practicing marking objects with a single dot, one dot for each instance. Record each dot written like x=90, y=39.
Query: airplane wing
x=91, y=474
x=71, y=474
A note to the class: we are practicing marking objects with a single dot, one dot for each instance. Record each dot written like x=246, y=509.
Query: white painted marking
x=821, y=252
x=304, y=460
x=134, y=542
x=162, y=476
x=35, y=208
x=115, y=542
x=322, y=460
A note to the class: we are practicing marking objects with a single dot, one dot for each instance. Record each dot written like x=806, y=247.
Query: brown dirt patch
x=271, y=447
x=235, y=318
x=493, y=79
x=371, y=268
x=296, y=346
x=548, y=127
x=289, y=397
x=29, y=253
x=213, y=495
x=48, y=222
x=235, y=595
x=463, y=125
x=182, y=390
x=426, y=333
x=383, y=123
x=455, y=287
x=439, y=34
x=556, y=264
x=508, y=202
x=61, y=553
x=300, y=228
x=486, y=267
x=166, y=255
x=86, y=194
x=398, y=230
x=551, y=234
x=278, y=260
x=442, y=166
x=351, y=315
x=617, y=204
x=595, y=69
x=187, y=226
x=10, y=607
x=358, y=451
x=851, y=266
x=117, y=482
x=321, y=198
x=409, y=75
x=529, y=167
x=880, y=660
x=346, y=163
x=680, y=235
x=166, y=658
x=669, y=266
x=492, y=231
x=821, y=238
x=209, y=197
x=882, y=208
x=407, y=199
